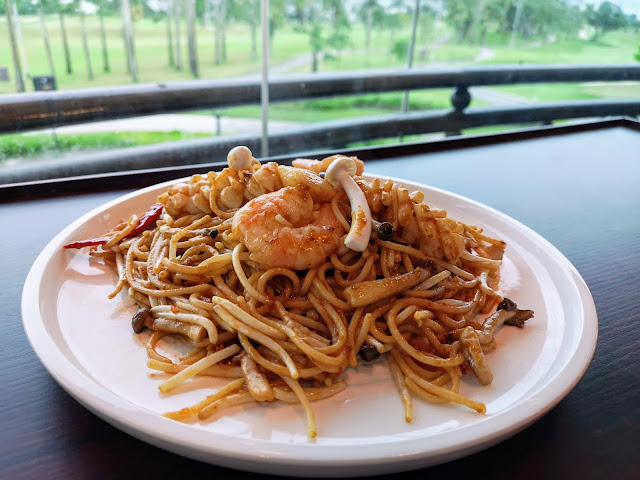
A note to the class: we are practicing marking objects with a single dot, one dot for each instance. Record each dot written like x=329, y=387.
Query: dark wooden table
x=578, y=186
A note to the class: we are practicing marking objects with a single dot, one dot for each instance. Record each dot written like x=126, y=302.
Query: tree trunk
x=254, y=32
x=127, y=33
x=254, y=40
x=15, y=53
x=47, y=46
x=85, y=46
x=411, y=51
x=516, y=24
x=20, y=38
x=206, y=14
x=67, y=55
x=176, y=16
x=103, y=35
x=224, y=30
x=191, y=36
x=217, y=50
x=170, y=41
x=369, y=27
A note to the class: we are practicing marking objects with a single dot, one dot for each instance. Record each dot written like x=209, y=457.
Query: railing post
x=460, y=99
x=264, y=85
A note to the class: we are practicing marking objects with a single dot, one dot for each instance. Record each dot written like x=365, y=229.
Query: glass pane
x=67, y=45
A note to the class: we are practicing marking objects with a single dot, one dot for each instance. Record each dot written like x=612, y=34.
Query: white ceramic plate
x=85, y=341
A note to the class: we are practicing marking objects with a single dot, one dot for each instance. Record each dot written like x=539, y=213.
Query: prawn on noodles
x=278, y=278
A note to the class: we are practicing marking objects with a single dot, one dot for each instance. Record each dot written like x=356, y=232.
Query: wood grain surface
x=581, y=191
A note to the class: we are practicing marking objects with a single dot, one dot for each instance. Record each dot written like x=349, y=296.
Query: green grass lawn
x=348, y=107
x=27, y=145
x=614, y=47
x=573, y=91
x=152, y=51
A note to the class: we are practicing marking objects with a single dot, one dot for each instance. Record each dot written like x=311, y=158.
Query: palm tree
x=176, y=16
x=247, y=11
x=169, y=36
x=368, y=12
x=191, y=36
x=253, y=8
x=14, y=45
x=65, y=42
x=127, y=36
x=45, y=37
x=103, y=36
x=85, y=45
x=219, y=13
x=18, y=32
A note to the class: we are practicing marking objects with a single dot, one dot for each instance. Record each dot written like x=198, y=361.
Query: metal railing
x=24, y=112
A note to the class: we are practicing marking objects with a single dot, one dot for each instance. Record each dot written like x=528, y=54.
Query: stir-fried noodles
x=279, y=278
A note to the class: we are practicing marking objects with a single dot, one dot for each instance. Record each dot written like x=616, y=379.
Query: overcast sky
x=628, y=6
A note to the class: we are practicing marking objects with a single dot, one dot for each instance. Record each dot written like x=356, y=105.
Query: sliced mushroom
x=144, y=318
x=472, y=351
x=508, y=314
x=340, y=174
x=519, y=318
x=365, y=293
x=257, y=383
x=195, y=333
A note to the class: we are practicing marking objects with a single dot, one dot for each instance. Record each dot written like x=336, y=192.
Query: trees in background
x=247, y=11
x=220, y=26
x=371, y=13
x=339, y=36
x=471, y=19
x=606, y=18
x=327, y=24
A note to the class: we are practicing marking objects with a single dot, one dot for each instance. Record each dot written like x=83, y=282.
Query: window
x=123, y=45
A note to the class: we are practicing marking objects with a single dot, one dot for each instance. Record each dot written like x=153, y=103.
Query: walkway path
x=180, y=122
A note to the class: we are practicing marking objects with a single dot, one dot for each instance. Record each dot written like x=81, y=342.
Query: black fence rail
x=23, y=112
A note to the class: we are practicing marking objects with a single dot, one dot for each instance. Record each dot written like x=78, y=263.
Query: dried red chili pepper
x=147, y=219
x=87, y=243
x=151, y=216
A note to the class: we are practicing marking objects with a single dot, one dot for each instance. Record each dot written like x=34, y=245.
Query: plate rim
x=173, y=436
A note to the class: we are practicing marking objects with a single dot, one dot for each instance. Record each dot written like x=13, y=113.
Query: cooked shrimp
x=225, y=192
x=319, y=166
x=285, y=229
x=271, y=177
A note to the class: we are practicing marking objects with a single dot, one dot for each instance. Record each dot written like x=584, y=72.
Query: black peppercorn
x=369, y=353
x=385, y=231
x=213, y=233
